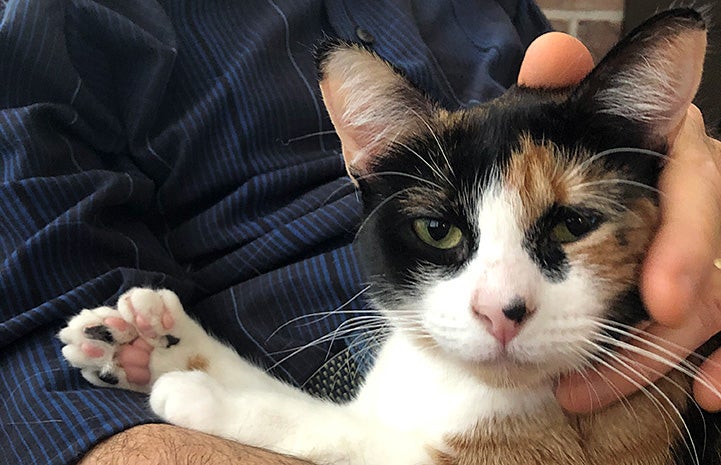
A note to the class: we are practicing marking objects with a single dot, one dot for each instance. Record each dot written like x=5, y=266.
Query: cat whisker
x=362, y=326
x=342, y=353
x=618, y=205
x=636, y=333
x=347, y=184
x=587, y=365
x=675, y=361
x=322, y=315
x=362, y=338
x=379, y=321
x=618, y=181
x=438, y=142
x=361, y=323
x=675, y=384
x=678, y=363
x=586, y=163
x=399, y=173
x=375, y=340
x=344, y=328
x=683, y=366
x=379, y=206
x=643, y=389
x=307, y=136
x=348, y=326
x=433, y=167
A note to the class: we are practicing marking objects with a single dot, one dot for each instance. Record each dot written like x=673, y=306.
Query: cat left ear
x=370, y=104
x=650, y=77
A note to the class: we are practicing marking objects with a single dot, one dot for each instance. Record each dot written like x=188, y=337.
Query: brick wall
x=597, y=23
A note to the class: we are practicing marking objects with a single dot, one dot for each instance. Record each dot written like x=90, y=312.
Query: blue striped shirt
x=183, y=144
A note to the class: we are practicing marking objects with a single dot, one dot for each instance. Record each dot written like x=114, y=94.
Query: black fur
x=108, y=378
x=439, y=173
x=99, y=333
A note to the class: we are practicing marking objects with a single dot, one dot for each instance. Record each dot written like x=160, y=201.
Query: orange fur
x=198, y=363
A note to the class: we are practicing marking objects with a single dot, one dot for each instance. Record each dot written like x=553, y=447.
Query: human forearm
x=170, y=445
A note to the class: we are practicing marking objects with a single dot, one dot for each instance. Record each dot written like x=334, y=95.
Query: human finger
x=636, y=364
x=678, y=262
x=707, y=386
x=555, y=60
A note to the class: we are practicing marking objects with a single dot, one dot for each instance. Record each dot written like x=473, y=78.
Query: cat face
x=509, y=237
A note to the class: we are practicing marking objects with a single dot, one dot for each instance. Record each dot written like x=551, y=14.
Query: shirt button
x=364, y=36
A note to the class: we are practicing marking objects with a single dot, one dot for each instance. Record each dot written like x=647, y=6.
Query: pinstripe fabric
x=183, y=144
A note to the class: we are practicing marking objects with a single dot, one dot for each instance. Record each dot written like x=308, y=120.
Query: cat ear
x=651, y=76
x=370, y=104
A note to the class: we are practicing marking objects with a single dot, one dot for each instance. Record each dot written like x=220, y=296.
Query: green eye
x=437, y=233
x=572, y=226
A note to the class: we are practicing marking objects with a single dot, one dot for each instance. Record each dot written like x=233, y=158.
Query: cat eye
x=572, y=225
x=439, y=234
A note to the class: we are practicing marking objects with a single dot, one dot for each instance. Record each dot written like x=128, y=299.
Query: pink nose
x=503, y=323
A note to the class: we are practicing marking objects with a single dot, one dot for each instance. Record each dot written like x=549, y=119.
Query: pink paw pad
x=152, y=320
x=91, y=350
x=167, y=320
x=134, y=359
x=116, y=323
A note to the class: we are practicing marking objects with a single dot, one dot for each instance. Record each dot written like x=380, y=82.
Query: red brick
x=588, y=5
x=560, y=25
x=599, y=36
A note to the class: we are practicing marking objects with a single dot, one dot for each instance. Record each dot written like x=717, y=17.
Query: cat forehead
x=451, y=179
x=530, y=142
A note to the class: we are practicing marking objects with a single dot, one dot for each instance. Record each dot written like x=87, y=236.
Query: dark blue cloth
x=183, y=144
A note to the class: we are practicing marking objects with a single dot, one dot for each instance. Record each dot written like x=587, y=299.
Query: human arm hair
x=153, y=444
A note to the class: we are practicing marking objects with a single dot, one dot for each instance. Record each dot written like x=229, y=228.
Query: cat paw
x=157, y=315
x=191, y=399
x=114, y=347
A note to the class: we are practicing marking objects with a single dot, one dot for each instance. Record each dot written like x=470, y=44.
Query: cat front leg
x=147, y=335
x=300, y=425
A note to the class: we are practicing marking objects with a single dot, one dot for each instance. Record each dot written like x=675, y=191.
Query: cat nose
x=503, y=323
x=516, y=311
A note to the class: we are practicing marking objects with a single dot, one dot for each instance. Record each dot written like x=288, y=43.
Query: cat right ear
x=651, y=76
x=370, y=104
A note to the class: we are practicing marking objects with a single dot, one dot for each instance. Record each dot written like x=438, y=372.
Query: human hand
x=681, y=286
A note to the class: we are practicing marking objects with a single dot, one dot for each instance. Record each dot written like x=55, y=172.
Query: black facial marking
x=404, y=188
x=108, y=378
x=621, y=238
x=477, y=145
x=516, y=310
x=545, y=252
x=627, y=309
x=171, y=341
x=99, y=333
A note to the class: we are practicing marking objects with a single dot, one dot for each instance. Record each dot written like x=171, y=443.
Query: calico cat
x=503, y=243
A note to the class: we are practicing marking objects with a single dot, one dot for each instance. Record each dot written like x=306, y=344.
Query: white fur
x=360, y=93
x=558, y=328
x=430, y=379
x=657, y=88
x=415, y=395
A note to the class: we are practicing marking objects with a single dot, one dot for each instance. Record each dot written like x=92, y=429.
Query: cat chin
x=501, y=370
x=505, y=373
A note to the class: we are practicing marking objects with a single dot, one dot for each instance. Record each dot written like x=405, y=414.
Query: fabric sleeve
x=73, y=198
x=183, y=144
